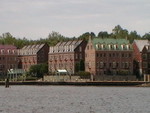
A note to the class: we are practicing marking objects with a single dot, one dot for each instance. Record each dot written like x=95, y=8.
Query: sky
x=35, y=19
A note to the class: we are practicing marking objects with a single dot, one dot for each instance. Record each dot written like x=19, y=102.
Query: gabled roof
x=147, y=47
x=141, y=43
x=66, y=45
x=35, y=46
x=30, y=49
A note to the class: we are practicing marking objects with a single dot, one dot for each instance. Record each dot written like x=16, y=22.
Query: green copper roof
x=111, y=44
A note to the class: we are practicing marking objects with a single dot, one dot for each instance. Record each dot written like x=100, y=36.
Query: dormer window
x=8, y=51
x=123, y=47
x=66, y=48
x=111, y=46
x=2, y=51
x=104, y=46
x=115, y=46
x=127, y=47
x=98, y=46
x=13, y=51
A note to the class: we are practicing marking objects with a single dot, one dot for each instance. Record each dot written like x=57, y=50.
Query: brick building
x=32, y=55
x=146, y=59
x=67, y=55
x=8, y=58
x=108, y=57
x=139, y=56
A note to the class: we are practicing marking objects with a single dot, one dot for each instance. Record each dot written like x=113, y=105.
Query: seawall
x=98, y=83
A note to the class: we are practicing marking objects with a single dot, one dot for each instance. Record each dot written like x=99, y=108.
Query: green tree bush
x=84, y=75
x=38, y=70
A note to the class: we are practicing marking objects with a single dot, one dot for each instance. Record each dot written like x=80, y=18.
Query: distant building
x=141, y=56
x=108, y=57
x=146, y=59
x=67, y=55
x=32, y=54
x=8, y=58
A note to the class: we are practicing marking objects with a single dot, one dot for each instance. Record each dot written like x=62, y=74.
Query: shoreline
x=95, y=83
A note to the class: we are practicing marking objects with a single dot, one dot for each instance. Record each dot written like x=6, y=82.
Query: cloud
x=36, y=18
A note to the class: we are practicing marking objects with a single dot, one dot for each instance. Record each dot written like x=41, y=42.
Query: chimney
x=90, y=38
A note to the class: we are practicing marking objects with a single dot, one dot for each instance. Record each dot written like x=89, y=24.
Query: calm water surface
x=72, y=99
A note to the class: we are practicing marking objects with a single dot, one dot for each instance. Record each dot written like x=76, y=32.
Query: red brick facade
x=8, y=58
x=32, y=55
x=66, y=55
x=108, y=61
x=146, y=59
x=139, y=50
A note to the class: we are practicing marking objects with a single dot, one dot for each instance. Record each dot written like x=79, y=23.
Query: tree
x=38, y=70
x=116, y=30
x=119, y=32
x=146, y=36
x=82, y=66
x=77, y=67
x=85, y=36
x=103, y=34
x=133, y=35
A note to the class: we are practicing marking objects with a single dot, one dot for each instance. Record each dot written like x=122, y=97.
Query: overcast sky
x=35, y=19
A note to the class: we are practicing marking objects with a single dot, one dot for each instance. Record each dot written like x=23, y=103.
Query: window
x=117, y=64
x=113, y=54
x=104, y=64
x=97, y=46
x=117, y=54
x=116, y=47
x=114, y=65
x=80, y=56
x=91, y=47
x=2, y=51
x=144, y=56
x=103, y=46
x=97, y=55
x=104, y=54
x=76, y=56
x=109, y=54
x=144, y=64
x=126, y=65
x=101, y=55
x=109, y=64
x=101, y=64
x=129, y=55
x=97, y=65
x=80, y=49
x=111, y=46
x=87, y=47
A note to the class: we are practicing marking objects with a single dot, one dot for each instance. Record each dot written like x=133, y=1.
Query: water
x=72, y=99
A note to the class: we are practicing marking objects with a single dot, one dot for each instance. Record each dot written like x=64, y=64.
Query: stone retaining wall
x=64, y=78
x=115, y=78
